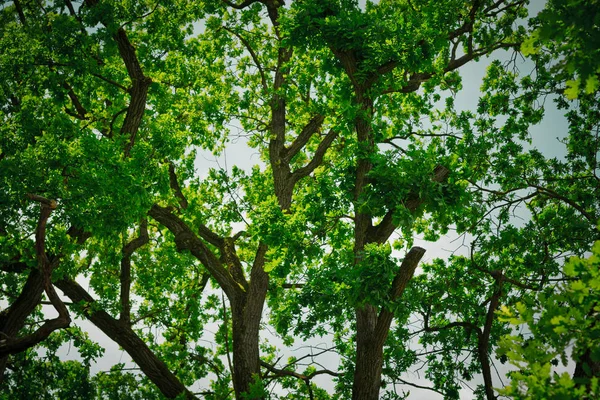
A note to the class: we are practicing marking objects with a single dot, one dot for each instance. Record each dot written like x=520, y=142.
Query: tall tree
x=385, y=63
x=107, y=107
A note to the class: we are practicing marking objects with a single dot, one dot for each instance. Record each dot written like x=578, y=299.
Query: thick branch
x=259, y=283
x=318, y=156
x=154, y=368
x=30, y=297
x=403, y=276
x=186, y=239
x=17, y=345
x=281, y=170
x=138, y=91
x=307, y=132
x=19, y=9
x=140, y=83
x=381, y=233
x=16, y=267
x=81, y=111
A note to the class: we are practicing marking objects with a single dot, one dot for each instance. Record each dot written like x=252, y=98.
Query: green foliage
x=383, y=77
x=561, y=325
x=257, y=390
x=569, y=29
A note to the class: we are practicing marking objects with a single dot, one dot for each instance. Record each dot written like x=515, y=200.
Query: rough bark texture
x=246, y=317
x=13, y=319
x=369, y=356
x=372, y=331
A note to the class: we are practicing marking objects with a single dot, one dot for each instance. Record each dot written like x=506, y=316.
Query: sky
x=544, y=137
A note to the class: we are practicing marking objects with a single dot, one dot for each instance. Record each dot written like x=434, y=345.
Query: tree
x=105, y=106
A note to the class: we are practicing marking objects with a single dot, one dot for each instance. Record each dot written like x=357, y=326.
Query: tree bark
x=38, y=281
x=247, y=298
x=369, y=356
x=153, y=367
x=246, y=317
x=13, y=319
x=372, y=331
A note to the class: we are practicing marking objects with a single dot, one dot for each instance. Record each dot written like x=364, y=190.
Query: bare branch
x=253, y=54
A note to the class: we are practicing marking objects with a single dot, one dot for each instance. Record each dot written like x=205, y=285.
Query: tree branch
x=381, y=233
x=403, y=276
x=253, y=54
x=307, y=132
x=240, y=6
x=554, y=195
x=154, y=368
x=30, y=296
x=81, y=111
x=185, y=239
x=317, y=157
x=138, y=91
x=174, y=183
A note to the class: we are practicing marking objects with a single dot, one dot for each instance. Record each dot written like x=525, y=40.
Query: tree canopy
x=360, y=157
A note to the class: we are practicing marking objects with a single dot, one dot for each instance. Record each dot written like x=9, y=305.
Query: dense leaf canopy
x=222, y=280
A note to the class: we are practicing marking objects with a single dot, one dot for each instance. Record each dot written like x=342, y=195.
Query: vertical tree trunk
x=369, y=356
x=246, y=316
x=246, y=361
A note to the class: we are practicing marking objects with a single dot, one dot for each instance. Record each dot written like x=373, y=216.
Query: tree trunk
x=246, y=316
x=369, y=356
x=246, y=361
